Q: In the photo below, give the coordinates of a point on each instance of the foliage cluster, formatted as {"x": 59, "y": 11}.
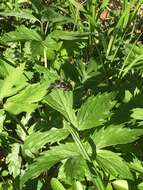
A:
{"x": 71, "y": 95}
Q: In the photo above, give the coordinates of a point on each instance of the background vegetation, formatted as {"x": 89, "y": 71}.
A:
{"x": 71, "y": 95}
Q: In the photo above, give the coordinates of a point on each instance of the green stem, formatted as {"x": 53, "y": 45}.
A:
{"x": 45, "y": 59}
{"x": 97, "y": 181}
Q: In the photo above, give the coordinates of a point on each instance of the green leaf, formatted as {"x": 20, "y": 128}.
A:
{"x": 48, "y": 159}
{"x": 137, "y": 113}
{"x": 69, "y": 35}
{"x": 109, "y": 187}
{"x": 95, "y": 111}
{"x": 31, "y": 145}
{"x": 73, "y": 169}
{"x": 87, "y": 71}
{"x": 133, "y": 58}
{"x": 4, "y": 68}
{"x": 62, "y": 101}
{"x": 36, "y": 48}
{"x": 120, "y": 185}
{"x": 50, "y": 43}
{"x": 56, "y": 185}
{"x": 113, "y": 164}
{"x": 49, "y": 75}
{"x": 53, "y": 16}
{"x": 12, "y": 83}
{"x": 22, "y": 14}
{"x": 114, "y": 135}
{"x": 136, "y": 165}
{"x": 140, "y": 186}
{"x": 77, "y": 186}
{"x": 21, "y": 34}
{"x": 128, "y": 96}
{"x": 27, "y": 100}
{"x": 14, "y": 160}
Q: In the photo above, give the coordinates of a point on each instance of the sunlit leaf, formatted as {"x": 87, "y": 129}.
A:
{"x": 31, "y": 145}
{"x": 113, "y": 164}
{"x": 22, "y": 33}
{"x": 114, "y": 135}
{"x": 73, "y": 169}
{"x": 48, "y": 159}
{"x": 68, "y": 35}
{"x": 137, "y": 113}
{"x": 95, "y": 111}
{"x": 22, "y": 14}
{"x": 11, "y": 84}
{"x": 14, "y": 160}
{"x": 27, "y": 100}
{"x": 62, "y": 101}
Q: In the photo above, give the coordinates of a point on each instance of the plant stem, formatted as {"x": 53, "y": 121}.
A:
{"x": 44, "y": 51}
{"x": 97, "y": 181}
{"x": 45, "y": 59}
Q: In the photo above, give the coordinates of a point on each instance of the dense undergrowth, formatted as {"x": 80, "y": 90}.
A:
{"x": 71, "y": 95}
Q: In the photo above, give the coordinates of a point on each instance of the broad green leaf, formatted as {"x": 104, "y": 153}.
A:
{"x": 120, "y": 185}
{"x": 27, "y": 100}
{"x": 48, "y": 159}
{"x": 113, "y": 164}
{"x": 109, "y": 187}
{"x": 22, "y": 14}
{"x": 128, "y": 96}
{"x": 95, "y": 111}
{"x": 61, "y": 19}
{"x": 53, "y": 16}
{"x": 21, "y": 34}
{"x": 31, "y": 145}
{"x": 77, "y": 186}
{"x": 137, "y": 113}
{"x": 4, "y": 68}
{"x": 52, "y": 44}
{"x": 136, "y": 165}
{"x": 73, "y": 169}
{"x": 62, "y": 101}
{"x": 114, "y": 135}
{"x": 14, "y": 160}
{"x": 49, "y": 75}
{"x": 56, "y": 185}
{"x": 9, "y": 85}
{"x": 89, "y": 70}
{"x": 69, "y": 35}
{"x": 36, "y": 48}
{"x": 140, "y": 186}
